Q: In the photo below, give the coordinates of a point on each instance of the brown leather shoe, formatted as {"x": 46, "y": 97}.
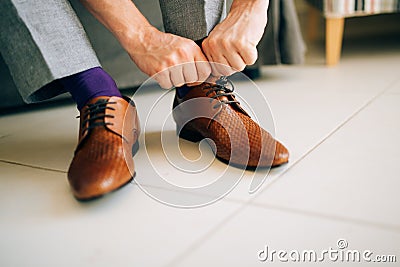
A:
{"x": 210, "y": 110}
{"x": 108, "y": 139}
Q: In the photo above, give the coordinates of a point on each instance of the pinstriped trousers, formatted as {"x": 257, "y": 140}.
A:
{"x": 42, "y": 41}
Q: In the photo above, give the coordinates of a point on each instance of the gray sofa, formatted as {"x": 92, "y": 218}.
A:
{"x": 282, "y": 43}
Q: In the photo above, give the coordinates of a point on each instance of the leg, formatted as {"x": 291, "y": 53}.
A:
{"x": 227, "y": 129}
{"x": 48, "y": 53}
{"x": 42, "y": 41}
{"x": 195, "y": 22}
{"x": 334, "y": 38}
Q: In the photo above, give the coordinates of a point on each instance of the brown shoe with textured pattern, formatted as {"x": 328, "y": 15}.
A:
{"x": 211, "y": 111}
{"x": 108, "y": 139}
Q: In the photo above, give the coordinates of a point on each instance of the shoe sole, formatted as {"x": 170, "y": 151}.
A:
{"x": 112, "y": 191}
{"x": 195, "y": 137}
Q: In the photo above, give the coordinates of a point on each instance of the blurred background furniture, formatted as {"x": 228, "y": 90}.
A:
{"x": 282, "y": 44}
{"x": 335, "y": 12}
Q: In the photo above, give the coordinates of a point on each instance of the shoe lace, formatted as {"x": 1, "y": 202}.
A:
{"x": 94, "y": 115}
{"x": 222, "y": 87}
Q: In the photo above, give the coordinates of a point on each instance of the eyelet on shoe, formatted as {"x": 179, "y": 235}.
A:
{"x": 94, "y": 112}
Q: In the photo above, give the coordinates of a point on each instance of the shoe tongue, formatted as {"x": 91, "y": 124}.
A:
{"x": 98, "y": 100}
{"x": 100, "y": 106}
{"x": 101, "y": 100}
{"x": 200, "y": 91}
{"x": 234, "y": 105}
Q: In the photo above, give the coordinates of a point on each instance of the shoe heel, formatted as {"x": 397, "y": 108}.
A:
{"x": 189, "y": 135}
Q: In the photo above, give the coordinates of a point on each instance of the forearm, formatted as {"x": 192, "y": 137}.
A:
{"x": 169, "y": 59}
{"x": 254, "y": 9}
{"x": 122, "y": 18}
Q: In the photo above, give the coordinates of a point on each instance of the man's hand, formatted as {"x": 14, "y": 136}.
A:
{"x": 234, "y": 41}
{"x": 174, "y": 59}
{"x": 171, "y": 59}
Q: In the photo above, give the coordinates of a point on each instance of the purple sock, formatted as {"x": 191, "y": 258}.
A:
{"x": 89, "y": 84}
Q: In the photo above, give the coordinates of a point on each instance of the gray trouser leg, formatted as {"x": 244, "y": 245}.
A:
{"x": 41, "y": 41}
{"x": 193, "y": 19}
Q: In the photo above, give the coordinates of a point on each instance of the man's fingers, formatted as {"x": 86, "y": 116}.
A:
{"x": 176, "y": 75}
{"x": 222, "y": 67}
{"x": 163, "y": 79}
{"x": 190, "y": 72}
{"x": 236, "y": 61}
{"x": 216, "y": 56}
{"x": 207, "y": 51}
{"x": 203, "y": 70}
{"x": 249, "y": 55}
{"x": 218, "y": 63}
{"x": 211, "y": 62}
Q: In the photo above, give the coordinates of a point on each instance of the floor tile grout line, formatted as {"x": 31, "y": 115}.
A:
{"x": 31, "y": 166}
{"x": 197, "y": 243}
{"x": 249, "y": 202}
{"x": 232, "y": 199}
{"x": 243, "y": 204}
{"x": 340, "y": 126}
{"x": 335, "y": 130}
{"x": 200, "y": 241}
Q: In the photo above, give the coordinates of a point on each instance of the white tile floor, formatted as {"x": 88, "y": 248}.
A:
{"x": 342, "y": 128}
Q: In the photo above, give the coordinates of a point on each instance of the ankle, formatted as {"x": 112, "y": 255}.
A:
{"x": 88, "y": 84}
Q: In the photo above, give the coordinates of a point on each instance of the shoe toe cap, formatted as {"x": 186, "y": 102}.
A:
{"x": 92, "y": 181}
{"x": 281, "y": 155}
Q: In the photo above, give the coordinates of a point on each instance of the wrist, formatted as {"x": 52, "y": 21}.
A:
{"x": 258, "y": 8}
{"x": 250, "y": 2}
{"x": 135, "y": 38}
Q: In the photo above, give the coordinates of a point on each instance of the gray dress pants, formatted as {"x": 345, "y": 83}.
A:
{"x": 42, "y": 41}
